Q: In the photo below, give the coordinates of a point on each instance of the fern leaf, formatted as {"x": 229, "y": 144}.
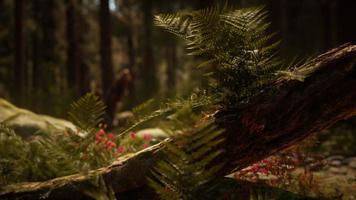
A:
{"x": 87, "y": 112}
{"x": 183, "y": 169}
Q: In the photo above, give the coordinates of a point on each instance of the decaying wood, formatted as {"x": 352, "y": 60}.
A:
{"x": 275, "y": 119}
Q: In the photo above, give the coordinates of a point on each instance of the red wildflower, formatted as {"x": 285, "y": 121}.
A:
{"x": 121, "y": 149}
{"x": 110, "y": 144}
{"x": 255, "y": 167}
{"x": 147, "y": 136}
{"x": 263, "y": 171}
{"x": 145, "y": 145}
{"x": 111, "y": 136}
{"x": 133, "y": 135}
{"x": 98, "y": 139}
{"x": 101, "y": 132}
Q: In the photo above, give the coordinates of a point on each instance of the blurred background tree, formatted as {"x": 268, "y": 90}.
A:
{"x": 52, "y": 52}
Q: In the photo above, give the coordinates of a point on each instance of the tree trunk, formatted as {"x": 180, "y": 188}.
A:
{"x": 147, "y": 68}
{"x": 19, "y": 72}
{"x": 107, "y": 71}
{"x": 171, "y": 57}
{"x": 73, "y": 62}
{"x": 278, "y": 117}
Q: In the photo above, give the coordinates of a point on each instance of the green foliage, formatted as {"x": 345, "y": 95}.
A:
{"x": 186, "y": 163}
{"x": 169, "y": 110}
{"x": 234, "y": 44}
{"x": 55, "y": 154}
{"x": 87, "y": 112}
{"x": 31, "y": 161}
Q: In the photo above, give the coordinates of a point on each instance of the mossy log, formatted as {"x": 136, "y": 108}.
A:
{"x": 276, "y": 118}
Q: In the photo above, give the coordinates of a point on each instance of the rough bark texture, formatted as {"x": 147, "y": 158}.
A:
{"x": 276, "y": 118}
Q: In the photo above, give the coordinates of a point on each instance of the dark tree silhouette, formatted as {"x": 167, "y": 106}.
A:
{"x": 106, "y": 62}
{"x": 19, "y": 65}
{"x": 73, "y": 54}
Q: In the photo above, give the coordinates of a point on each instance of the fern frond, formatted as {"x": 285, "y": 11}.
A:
{"x": 87, "y": 112}
{"x": 172, "y": 110}
{"x": 235, "y": 41}
{"x": 183, "y": 168}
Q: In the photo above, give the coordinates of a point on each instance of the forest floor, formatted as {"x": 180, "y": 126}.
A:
{"x": 337, "y": 179}
{"x": 340, "y": 180}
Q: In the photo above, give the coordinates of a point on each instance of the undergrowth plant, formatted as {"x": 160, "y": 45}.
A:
{"x": 55, "y": 153}
{"x": 241, "y": 59}
{"x": 234, "y": 44}
{"x": 186, "y": 164}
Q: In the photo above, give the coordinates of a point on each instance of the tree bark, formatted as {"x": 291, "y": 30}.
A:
{"x": 107, "y": 71}
{"x": 19, "y": 72}
{"x": 73, "y": 54}
{"x": 147, "y": 68}
{"x": 280, "y": 116}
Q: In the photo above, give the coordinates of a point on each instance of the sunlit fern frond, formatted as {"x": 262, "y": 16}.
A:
{"x": 171, "y": 110}
{"x": 87, "y": 112}
{"x": 176, "y": 24}
{"x": 186, "y": 164}
{"x": 234, "y": 41}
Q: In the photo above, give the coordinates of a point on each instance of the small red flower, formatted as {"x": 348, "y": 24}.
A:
{"x": 147, "y": 136}
{"x": 101, "y": 132}
{"x": 145, "y": 145}
{"x": 133, "y": 135}
{"x": 111, "y": 136}
{"x": 263, "y": 171}
{"x": 98, "y": 139}
{"x": 110, "y": 144}
{"x": 121, "y": 149}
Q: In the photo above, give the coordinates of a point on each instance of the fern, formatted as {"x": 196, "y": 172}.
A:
{"x": 87, "y": 112}
{"x": 54, "y": 154}
{"x": 186, "y": 163}
{"x": 31, "y": 161}
{"x": 164, "y": 115}
{"x": 234, "y": 43}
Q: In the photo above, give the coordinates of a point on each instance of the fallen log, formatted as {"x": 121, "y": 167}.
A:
{"x": 278, "y": 117}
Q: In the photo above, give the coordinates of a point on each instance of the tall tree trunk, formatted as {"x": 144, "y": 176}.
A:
{"x": 148, "y": 70}
{"x": 73, "y": 58}
{"x": 107, "y": 71}
{"x": 36, "y": 83}
{"x": 328, "y": 8}
{"x": 171, "y": 57}
{"x": 19, "y": 68}
{"x": 346, "y": 16}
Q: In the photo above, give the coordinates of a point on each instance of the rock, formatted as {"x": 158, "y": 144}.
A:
{"x": 335, "y": 163}
{"x": 352, "y": 164}
{"x": 309, "y": 160}
{"x": 336, "y": 157}
{"x": 346, "y": 161}
{"x": 27, "y": 123}
{"x": 338, "y": 170}
{"x": 156, "y": 134}
{"x": 123, "y": 118}
{"x": 317, "y": 166}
